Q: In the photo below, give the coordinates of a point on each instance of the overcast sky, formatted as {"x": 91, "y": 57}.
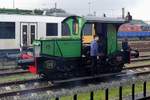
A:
{"x": 138, "y": 8}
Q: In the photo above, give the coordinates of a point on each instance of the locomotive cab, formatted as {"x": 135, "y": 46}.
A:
{"x": 106, "y": 29}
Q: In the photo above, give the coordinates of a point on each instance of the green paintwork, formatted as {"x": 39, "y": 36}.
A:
{"x": 71, "y": 46}
{"x": 119, "y": 46}
{"x": 61, "y": 48}
{"x": 80, "y": 21}
{"x": 64, "y": 47}
{"x": 36, "y": 43}
{"x": 111, "y": 39}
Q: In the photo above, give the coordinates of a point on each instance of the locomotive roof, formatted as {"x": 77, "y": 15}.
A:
{"x": 104, "y": 19}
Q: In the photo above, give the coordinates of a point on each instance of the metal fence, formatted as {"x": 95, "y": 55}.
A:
{"x": 106, "y": 87}
{"x": 145, "y": 97}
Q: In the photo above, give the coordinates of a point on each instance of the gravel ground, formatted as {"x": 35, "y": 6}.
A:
{"x": 23, "y": 86}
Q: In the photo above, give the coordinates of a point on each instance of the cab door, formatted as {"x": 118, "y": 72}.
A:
{"x": 28, "y": 34}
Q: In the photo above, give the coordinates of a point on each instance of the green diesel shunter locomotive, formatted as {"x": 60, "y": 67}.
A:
{"x": 69, "y": 56}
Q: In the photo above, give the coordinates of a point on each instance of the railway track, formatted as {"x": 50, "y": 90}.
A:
{"x": 22, "y": 87}
{"x": 13, "y": 68}
{"x": 140, "y": 45}
{"x": 48, "y": 86}
{"x": 138, "y": 70}
{"x": 30, "y": 86}
{"x": 14, "y": 75}
{"x": 20, "y": 82}
{"x": 143, "y": 58}
{"x": 12, "y": 72}
{"x": 136, "y": 67}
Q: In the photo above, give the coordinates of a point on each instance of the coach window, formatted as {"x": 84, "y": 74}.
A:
{"x": 7, "y": 30}
{"x": 65, "y": 30}
{"x": 51, "y": 29}
{"x": 87, "y": 30}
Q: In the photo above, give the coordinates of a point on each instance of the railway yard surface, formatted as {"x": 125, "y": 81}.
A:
{"x": 18, "y": 84}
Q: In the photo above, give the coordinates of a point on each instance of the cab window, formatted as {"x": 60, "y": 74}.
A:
{"x": 75, "y": 26}
{"x": 65, "y": 30}
{"x": 87, "y": 30}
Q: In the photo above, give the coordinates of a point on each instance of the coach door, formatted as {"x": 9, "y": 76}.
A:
{"x": 28, "y": 33}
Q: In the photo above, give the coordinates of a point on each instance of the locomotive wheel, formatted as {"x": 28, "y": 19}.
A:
{"x": 116, "y": 59}
{"x": 119, "y": 68}
{"x": 56, "y": 69}
{"x": 116, "y": 62}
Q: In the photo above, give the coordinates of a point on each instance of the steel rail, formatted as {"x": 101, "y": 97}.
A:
{"x": 141, "y": 59}
{"x": 8, "y": 73}
{"x": 21, "y": 82}
{"x": 136, "y": 67}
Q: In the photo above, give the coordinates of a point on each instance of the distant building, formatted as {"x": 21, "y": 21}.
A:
{"x": 21, "y": 11}
{"x": 49, "y": 12}
{"x": 56, "y": 12}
